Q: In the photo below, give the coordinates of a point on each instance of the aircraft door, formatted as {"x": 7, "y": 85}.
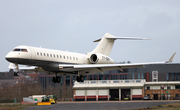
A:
{"x": 33, "y": 54}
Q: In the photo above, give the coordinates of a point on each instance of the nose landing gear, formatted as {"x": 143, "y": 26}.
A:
{"x": 16, "y": 73}
{"x": 16, "y": 69}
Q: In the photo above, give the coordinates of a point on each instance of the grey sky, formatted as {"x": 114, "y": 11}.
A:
{"x": 73, "y": 25}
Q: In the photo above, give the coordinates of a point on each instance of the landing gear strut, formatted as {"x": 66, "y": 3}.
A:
{"x": 56, "y": 79}
{"x": 16, "y": 69}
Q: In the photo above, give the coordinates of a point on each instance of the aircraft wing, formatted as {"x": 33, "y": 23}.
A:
{"x": 90, "y": 68}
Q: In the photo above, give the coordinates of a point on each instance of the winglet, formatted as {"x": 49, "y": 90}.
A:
{"x": 171, "y": 59}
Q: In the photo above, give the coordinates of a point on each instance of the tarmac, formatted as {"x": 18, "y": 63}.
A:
{"x": 101, "y": 105}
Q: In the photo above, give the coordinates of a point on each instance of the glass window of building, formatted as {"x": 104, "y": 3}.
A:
{"x": 172, "y": 76}
{"x": 85, "y": 77}
{"x": 177, "y": 95}
{"x": 177, "y": 86}
{"x": 95, "y": 77}
{"x": 168, "y": 87}
{"x": 89, "y": 77}
{"x": 148, "y": 88}
{"x": 74, "y": 77}
{"x": 142, "y": 75}
{"x": 122, "y": 76}
{"x": 133, "y": 76}
{"x": 167, "y": 77}
{"x": 106, "y": 77}
{"x": 125, "y": 76}
{"x": 67, "y": 80}
{"x": 176, "y": 76}
{"x": 100, "y": 77}
{"x": 138, "y": 75}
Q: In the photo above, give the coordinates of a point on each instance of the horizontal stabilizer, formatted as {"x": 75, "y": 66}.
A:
{"x": 97, "y": 40}
{"x": 123, "y": 38}
{"x": 127, "y": 38}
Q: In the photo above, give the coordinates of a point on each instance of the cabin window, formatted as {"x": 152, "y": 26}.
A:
{"x": 37, "y": 53}
{"x": 73, "y": 58}
{"x": 70, "y": 58}
{"x": 64, "y": 57}
{"x": 51, "y": 55}
{"x": 60, "y": 56}
{"x": 44, "y": 54}
{"x": 41, "y": 54}
{"x": 47, "y": 54}
{"x": 76, "y": 58}
{"x": 54, "y": 56}
{"x": 57, "y": 56}
{"x": 67, "y": 57}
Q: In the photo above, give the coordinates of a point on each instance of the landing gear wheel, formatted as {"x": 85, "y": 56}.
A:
{"x": 54, "y": 79}
{"x": 16, "y": 73}
{"x": 81, "y": 78}
{"x": 78, "y": 79}
{"x": 58, "y": 79}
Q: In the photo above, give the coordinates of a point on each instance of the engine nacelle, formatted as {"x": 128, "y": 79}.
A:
{"x": 100, "y": 59}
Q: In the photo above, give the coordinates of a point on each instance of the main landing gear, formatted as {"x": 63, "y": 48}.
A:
{"x": 56, "y": 79}
{"x": 80, "y": 78}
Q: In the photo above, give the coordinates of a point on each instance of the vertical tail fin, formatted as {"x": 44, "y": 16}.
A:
{"x": 106, "y": 43}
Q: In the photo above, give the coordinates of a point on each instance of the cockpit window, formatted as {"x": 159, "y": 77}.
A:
{"x": 23, "y": 50}
{"x": 20, "y": 50}
{"x": 17, "y": 50}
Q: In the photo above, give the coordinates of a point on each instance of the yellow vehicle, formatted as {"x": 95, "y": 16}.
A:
{"x": 50, "y": 98}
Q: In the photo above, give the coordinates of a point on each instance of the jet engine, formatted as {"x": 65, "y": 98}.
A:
{"x": 100, "y": 59}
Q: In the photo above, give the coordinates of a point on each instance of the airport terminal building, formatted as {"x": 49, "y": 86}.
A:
{"x": 158, "y": 82}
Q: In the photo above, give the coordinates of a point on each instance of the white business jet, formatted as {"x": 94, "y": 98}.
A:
{"x": 63, "y": 62}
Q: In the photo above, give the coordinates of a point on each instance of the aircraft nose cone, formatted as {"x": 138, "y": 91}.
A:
{"x": 9, "y": 57}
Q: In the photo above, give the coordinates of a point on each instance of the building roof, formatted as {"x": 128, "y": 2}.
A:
{"x": 110, "y": 84}
{"x": 119, "y": 83}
